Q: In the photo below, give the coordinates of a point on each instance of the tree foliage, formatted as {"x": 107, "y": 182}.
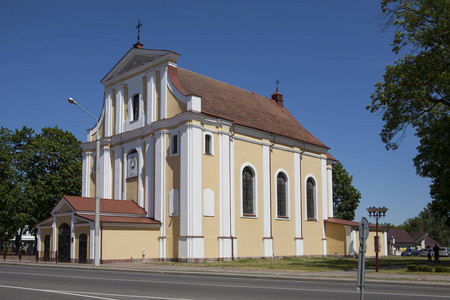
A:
{"x": 431, "y": 221}
{"x": 345, "y": 196}
{"x": 36, "y": 171}
{"x": 415, "y": 89}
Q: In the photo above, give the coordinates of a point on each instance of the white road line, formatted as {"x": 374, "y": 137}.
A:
{"x": 233, "y": 286}
{"x": 87, "y": 294}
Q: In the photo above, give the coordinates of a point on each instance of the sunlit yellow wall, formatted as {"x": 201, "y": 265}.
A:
{"x": 132, "y": 189}
{"x": 312, "y": 230}
{"x": 370, "y": 243}
{"x": 126, "y": 242}
{"x": 249, "y": 231}
{"x": 44, "y": 232}
{"x": 80, "y": 230}
{"x": 336, "y": 239}
{"x": 172, "y": 182}
{"x": 174, "y": 106}
{"x": 283, "y": 230}
{"x": 210, "y": 178}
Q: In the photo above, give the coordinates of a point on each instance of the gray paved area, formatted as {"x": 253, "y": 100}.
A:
{"x": 371, "y": 275}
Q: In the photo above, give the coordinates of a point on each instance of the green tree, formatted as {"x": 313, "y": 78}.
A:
{"x": 43, "y": 167}
{"x": 415, "y": 89}
{"x": 345, "y": 196}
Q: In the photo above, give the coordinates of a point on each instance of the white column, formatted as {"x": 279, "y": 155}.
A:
{"x": 119, "y": 109}
{"x": 54, "y": 234}
{"x": 105, "y": 174}
{"x": 85, "y": 172}
{"x": 149, "y": 176}
{"x": 330, "y": 191}
{"x": 385, "y": 243}
{"x": 91, "y": 241}
{"x": 163, "y": 94}
{"x": 140, "y": 150}
{"x": 324, "y": 199}
{"x": 299, "y": 250}
{"x": 191, "y": 241}
{"x": 160, "y": 175}
{"x": 108, "y": 112}
{"x": 124, "y": 175}
{"x": 72, "y": 238}
{"x": 268, "y": 239}
{"x": 225, "y": 212}
{"x": 118, "y": 153}
{"x": 38, "y": 246}
{"x": 151, "y": 97}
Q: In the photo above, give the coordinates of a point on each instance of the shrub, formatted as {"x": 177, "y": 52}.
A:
{"x": 411, "y": 268}
{"x": 441, "y": 269}
{"x": 420, "y": 268}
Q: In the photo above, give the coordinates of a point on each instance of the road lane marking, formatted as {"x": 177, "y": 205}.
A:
{"x": 87, "y": 294}
{"x": 232, "y": 286}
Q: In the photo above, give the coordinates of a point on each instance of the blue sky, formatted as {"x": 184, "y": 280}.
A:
{"x": 326, "y": 54}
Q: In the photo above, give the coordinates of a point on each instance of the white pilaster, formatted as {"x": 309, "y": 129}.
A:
{"x": 151, "y": 97}
{"x": 119, "y": 108}
{"x": 85, "y": 176}
{"x": 160, "y": 175}
{"x": 140, "y": 151}
{"x": 324, "y": 188}
{"x": 105, "y": 174}
{"x": 38, "y": 246}
{"x": 54, "y": 235}
{"x": 330, "y": 191}
{"x": 385, "y": 243}
{"x": 191, "y": 241}
{"x": 267, "y": 240}
{"x": 299, "y": 251}
{"x": 163, "y": 94}
{"x": 72, "y": 238}
{"x": 91, "y": 241}
{"x": 225, "y": 235}
{"x": 108, "y": 112}
{"x": 118, "y": 165}
{"x": 149, "y": 177}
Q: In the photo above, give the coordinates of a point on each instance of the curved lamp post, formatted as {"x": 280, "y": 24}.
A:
{"x": 377, "y": 212}
{"x": 97, "y": 192}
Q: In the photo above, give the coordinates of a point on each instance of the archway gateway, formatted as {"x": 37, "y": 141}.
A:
{"x": 64, "y": 243}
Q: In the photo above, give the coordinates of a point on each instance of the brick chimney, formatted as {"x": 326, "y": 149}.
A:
{"x": 278, "y": 97}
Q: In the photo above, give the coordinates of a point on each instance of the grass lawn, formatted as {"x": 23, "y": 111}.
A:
{"x": 395, "y": 264}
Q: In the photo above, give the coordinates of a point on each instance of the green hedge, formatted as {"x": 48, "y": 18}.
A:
{"x": 423, "y": 268}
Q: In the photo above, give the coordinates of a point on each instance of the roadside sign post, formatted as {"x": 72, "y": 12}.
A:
{"x": 363, "y": 235}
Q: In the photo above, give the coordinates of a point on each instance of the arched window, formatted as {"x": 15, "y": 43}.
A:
{"x": 310, "y": 199}
{"x": 208, "y": 144}
{"x": 248, "y": 185}
{"x": 136, "y": 107}
{"x": 281, "y": 195}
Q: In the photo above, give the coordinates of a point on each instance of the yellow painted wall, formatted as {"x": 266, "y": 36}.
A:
{"x": 312, "y": 230}
{"x": 44, "y": 232}
{"x": 172, "y": 182}
{"x": 80, "y": 230}
{"x": 127, "y": 242}
{"x": 336, "y": 239}
{"x": 283, "y": 230}
{"x": 370, "y": 243}
{"x": 132, "y": 189}
{"x": 249, "y": 231}
{"x": 210, "y": 177}
{"x": 174, "y": 106}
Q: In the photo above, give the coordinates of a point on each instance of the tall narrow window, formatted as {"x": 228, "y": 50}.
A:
{"x": 174, "y": 144}
{"x": 281, "y": 195}
{"x": 208, "y": 144}
{"x": 310, "y": 199}
{"x": 136, "y": 107}
{"x": 248, "y": 191}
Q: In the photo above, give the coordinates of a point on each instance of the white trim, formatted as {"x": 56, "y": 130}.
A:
{"x": 163, "y": 92}
{"x": 297, "y": 197}
{"x": 324, "y": 187}
{"x": 288, "y": 195}
{"x": 108, "y": 109}
{"x": 149, "y": 177}
{"x": 266, "y": 194}
{"x": 208, "y": 203}
{"x": 85, "y": 176}
{"x": 255, "y": 191}
{"x": 118, "y": 154}
{"x": 151, "y": 97}
{"x": 119, "y": 108}
{"x": 316, "y": 193}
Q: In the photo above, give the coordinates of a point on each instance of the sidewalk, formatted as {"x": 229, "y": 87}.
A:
{"x": 371, "y": 276}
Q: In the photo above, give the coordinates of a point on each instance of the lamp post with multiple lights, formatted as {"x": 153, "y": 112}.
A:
{"x": 377, "y": 212}
{"x": 97, "y": 192}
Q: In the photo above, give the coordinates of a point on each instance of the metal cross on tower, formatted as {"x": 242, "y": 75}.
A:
{"x": 277, "y": 83}
{"x": 138, "y": 27}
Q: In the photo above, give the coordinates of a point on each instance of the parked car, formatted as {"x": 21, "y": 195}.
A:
{"x": 411, "y": 252}
{"x": 423, "y": 252}
{"x": 443, "y": 252}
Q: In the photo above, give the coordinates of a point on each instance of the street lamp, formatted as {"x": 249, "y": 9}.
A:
{"x": 97, "y": 192}
{"x": 377, "y": 212}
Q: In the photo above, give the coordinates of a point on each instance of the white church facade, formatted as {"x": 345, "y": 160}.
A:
{"x": 194, "y": 169}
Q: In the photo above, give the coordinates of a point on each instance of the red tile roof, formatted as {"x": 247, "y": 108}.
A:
{"x": 401, "y": 236}
{"x": 243, "y": 107}
{"x": 106, "y": 205}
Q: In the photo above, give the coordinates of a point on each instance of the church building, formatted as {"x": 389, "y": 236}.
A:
{"x": 194, "y": 169}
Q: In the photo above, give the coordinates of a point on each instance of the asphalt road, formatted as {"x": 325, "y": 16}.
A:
{"x": 43, "y": 282}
